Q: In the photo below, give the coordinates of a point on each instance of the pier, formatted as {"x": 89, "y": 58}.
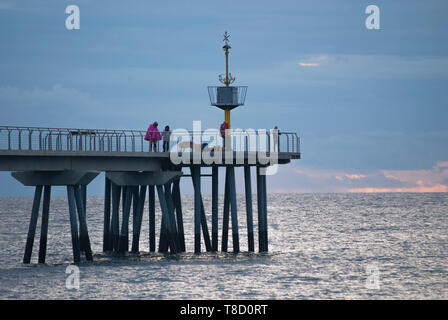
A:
{"x": 48, "y": 157}
{"x": 138, "y": 179}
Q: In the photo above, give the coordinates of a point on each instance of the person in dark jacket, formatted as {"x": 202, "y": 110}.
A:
{"x": 166, "y": 138}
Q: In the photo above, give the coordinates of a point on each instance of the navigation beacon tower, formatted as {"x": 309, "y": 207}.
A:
{"x": 227, "y": 97}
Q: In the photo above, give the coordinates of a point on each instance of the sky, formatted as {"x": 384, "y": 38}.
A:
{"x": 370, "y": 106}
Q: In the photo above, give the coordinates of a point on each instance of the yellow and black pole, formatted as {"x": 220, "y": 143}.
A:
{"x": 228, "y": 80}
{"x": 227, "y": 83}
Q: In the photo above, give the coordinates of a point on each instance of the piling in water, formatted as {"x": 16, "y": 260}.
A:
{"x": 44, "y": 227}
{"x": 196, "y": 175}
{"x": 233, "y": 206}
{"x": 73, "y": 224}
{"x": 107, "y": 244}
{"x": 152, "y": 219}
{"x": 249, "y": 214}
{"x": 225, "y": 215}
{"x": 32, "y": 226}
{"x": 84, "y": 240}
{"x": 214, "y": 208}
{"x": 137, "y": 226}
{"x": 179, "y": 218}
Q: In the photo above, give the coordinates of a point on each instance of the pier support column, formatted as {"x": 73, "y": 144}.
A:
{"x": 262, "y": 214}
{"x": 135, "y": 200}
{"x": 138, "y": 219}
{"x": 265, "y": 212}
{"x": 167, "y": 225}
{"x": 215, "y": 208}
{"x": 84, "y": 240}
{"x": 152, "y": 219}
{"x": 124, "y": 191}
{"x": 84, "y": 197}
{"x": 205, "y": 233}
{"x": 115, "y": 227}
{"x": 123, "y": 242}
{"x": 170, "y": 204}
{"x": 179, "y": 218}
{"x": 163, "y": 237}
{"x": 249, "y": 214}
{"x": 204, "y": 226}
{"x": 107, "y": 244}
{"x": 196, "y": 175}
{"x": 130, "y": 181}
{"x": 44, "y": 227}
{"x": 32, "y": 226}
{"x": 76, "y": 183}
{"x": 233, "y": 206}
{"x": 225, "y": 215}
{"x": 73, "y": 224}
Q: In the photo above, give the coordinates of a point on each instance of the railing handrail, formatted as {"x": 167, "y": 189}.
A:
{"x": 123, "y": 140}
{"x": 104, "y": 130}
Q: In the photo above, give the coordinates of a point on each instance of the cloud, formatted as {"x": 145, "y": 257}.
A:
{"x": 308, "y": 64}
{"x": 309, "y": 179}
{"x": 384, "y": 66}
{"x": 333, "y": 68}
{"x": 436, "y": 188}
{"x": 312, "y": 61}
{"x": 355, "y": 176}
{"x": 441, "y": 165}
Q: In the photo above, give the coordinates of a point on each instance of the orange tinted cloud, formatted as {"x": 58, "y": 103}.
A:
{"x": 355, "y": 176}
{"x": 339, "y": 180}
{"x": 436, "y": 188}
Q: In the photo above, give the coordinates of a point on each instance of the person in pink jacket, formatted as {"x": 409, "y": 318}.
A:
{"x": 153, "y": 136}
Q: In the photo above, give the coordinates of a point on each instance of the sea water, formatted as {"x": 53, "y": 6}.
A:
{"x": 321, "y": 246}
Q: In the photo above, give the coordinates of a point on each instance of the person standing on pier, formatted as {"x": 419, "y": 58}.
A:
{"x": 275, "y": 135}
{"x": 224, "y": 130}
{"x": 166, "y": 138}
{"x": 153, "y": 136}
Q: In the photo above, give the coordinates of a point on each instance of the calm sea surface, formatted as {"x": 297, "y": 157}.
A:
{"x": 321, "y": 246}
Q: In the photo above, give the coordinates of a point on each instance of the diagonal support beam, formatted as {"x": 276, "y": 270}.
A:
{"x": 73, "y": 224}
{"x": 179, "y": 217}
{"x": 84, "y": 240}
{"x": 167, "y": 222}
{"x": 123, "y": 242}
{"x": 205, "y": 233}
{"x": 32, "y": 226}
{"x": 44, "y": 228}
{"x": 225, "y": 216}
{"x": 138, "y": 219}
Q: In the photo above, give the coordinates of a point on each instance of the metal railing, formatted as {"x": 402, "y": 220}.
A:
{"x": 14, "y": 138}
{"x": 236, "y": 96}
